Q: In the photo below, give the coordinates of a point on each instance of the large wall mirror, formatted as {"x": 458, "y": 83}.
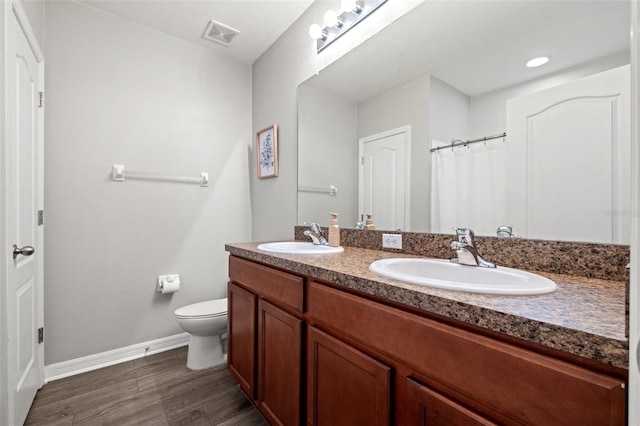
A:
{"x": 376, "y": 127}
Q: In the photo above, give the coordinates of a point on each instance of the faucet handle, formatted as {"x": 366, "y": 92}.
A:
{"x": 315, "y": 227}
{"x": 505, "y": 231}
{"x": 465, "y": 235}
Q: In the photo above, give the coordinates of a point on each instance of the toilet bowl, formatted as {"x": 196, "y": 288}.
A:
{"x": 205, "y": 322}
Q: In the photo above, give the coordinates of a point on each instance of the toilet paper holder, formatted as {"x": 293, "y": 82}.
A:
{"x": 168, "y": 283}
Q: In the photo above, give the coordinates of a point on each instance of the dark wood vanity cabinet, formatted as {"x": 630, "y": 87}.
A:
{"x": 325, "y": 356}
{"x": 344, "y": 385}
{"x": 475, "y": 376}
{"x": 241, "y": 347}
{"x": 266, "y": 337}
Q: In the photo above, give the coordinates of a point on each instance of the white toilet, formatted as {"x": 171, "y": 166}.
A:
{"x": 206, "y": 322}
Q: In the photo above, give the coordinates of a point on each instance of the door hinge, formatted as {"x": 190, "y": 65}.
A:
{"x": 40, "y": 217}
{"x": 41, "y": 335}
{"x": 41, "y": 105}
{"x": 362, "y": 161}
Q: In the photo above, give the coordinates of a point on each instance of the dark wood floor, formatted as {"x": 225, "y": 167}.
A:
{"x": 155, "y": 390}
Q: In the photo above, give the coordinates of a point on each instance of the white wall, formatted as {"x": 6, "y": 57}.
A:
{"x": 276, "y": 74}
{"x": 407, "y": 104}
{"x": 35, "y": 12}
{"x": 448, "y": 112}
{"x": 327, "y": 156}
{"x": 118, "y": 92}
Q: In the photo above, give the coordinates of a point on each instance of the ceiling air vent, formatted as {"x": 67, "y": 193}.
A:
{"x": 219, "y": 33}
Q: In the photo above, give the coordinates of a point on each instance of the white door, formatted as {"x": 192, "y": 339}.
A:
{"x": 633, "y": 417}
{"x": 384, "y": 179}
{"x": 568, "y": 160}
{"x": 23, "y": 180}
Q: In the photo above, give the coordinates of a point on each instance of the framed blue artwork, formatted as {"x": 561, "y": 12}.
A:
{"x": 267, "y": 152}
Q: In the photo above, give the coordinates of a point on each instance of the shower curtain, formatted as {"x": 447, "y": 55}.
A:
{"x": 468, "y": 187}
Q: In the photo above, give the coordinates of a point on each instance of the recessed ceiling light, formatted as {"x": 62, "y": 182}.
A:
{"x": 536, "y": 62}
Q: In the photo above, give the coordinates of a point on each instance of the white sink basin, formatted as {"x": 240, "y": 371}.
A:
{"x": 474, "y": 279}
{"x": 298, "y": 247}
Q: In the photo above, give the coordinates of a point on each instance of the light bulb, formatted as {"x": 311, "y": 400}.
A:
{"x": 351, "y": 6}
{"x": 315, "y": 31}
{"x": 331, "y": 19}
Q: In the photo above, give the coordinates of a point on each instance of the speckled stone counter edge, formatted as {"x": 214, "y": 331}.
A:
{"x": 591, "y": 260}
{"x": 606, "y": 350}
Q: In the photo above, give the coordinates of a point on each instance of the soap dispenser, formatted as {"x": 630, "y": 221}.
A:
{"x": 334, "y": 231}
{"x": 369, "y": 226}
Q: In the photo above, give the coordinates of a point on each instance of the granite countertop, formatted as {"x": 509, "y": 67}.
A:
{"x": 584, "y": 317}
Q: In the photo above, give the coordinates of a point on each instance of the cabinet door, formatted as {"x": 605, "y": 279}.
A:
{"x": 279, "y": 365}
{"x": 345, "y": 386}
{"x": 430, "y": 408}
{"x": 241, "y": 352}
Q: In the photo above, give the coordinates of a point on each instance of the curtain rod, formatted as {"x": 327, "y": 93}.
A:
{"x": 457, "y": 142}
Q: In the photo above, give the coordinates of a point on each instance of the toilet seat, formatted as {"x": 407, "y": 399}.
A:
{"x": 207, "y": 309}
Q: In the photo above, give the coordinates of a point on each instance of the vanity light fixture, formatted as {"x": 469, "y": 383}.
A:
{"x": 338, "y": 23}
{"x": 536, "y": 62}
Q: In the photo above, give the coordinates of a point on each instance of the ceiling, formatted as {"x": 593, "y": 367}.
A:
{"x": 259, "y": 22}
{"x": 476, "y": 46}
{"x": 480, "y": 46}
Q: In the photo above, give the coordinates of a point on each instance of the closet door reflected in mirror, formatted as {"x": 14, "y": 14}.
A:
{"x": 384, "y": 179}
{"x": 569, "y": 160}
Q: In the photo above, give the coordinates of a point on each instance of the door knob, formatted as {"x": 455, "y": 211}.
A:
{"x": 25, "y": 251}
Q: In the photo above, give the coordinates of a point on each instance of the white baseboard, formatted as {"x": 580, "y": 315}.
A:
{"x": 104, "y": 359}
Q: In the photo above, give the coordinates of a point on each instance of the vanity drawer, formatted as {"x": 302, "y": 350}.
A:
{"x": 516, "y": 385}
{"x": 273, "y": 285}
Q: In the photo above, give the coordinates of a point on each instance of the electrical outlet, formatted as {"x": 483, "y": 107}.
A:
{"x": 393, "y": 241}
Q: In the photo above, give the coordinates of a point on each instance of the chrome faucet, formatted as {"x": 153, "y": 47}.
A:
{"x": 316, "y": 234}
{"x": 466, "y": 250}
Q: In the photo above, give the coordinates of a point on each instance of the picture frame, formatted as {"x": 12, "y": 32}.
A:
{"x": 267, "y": 152}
